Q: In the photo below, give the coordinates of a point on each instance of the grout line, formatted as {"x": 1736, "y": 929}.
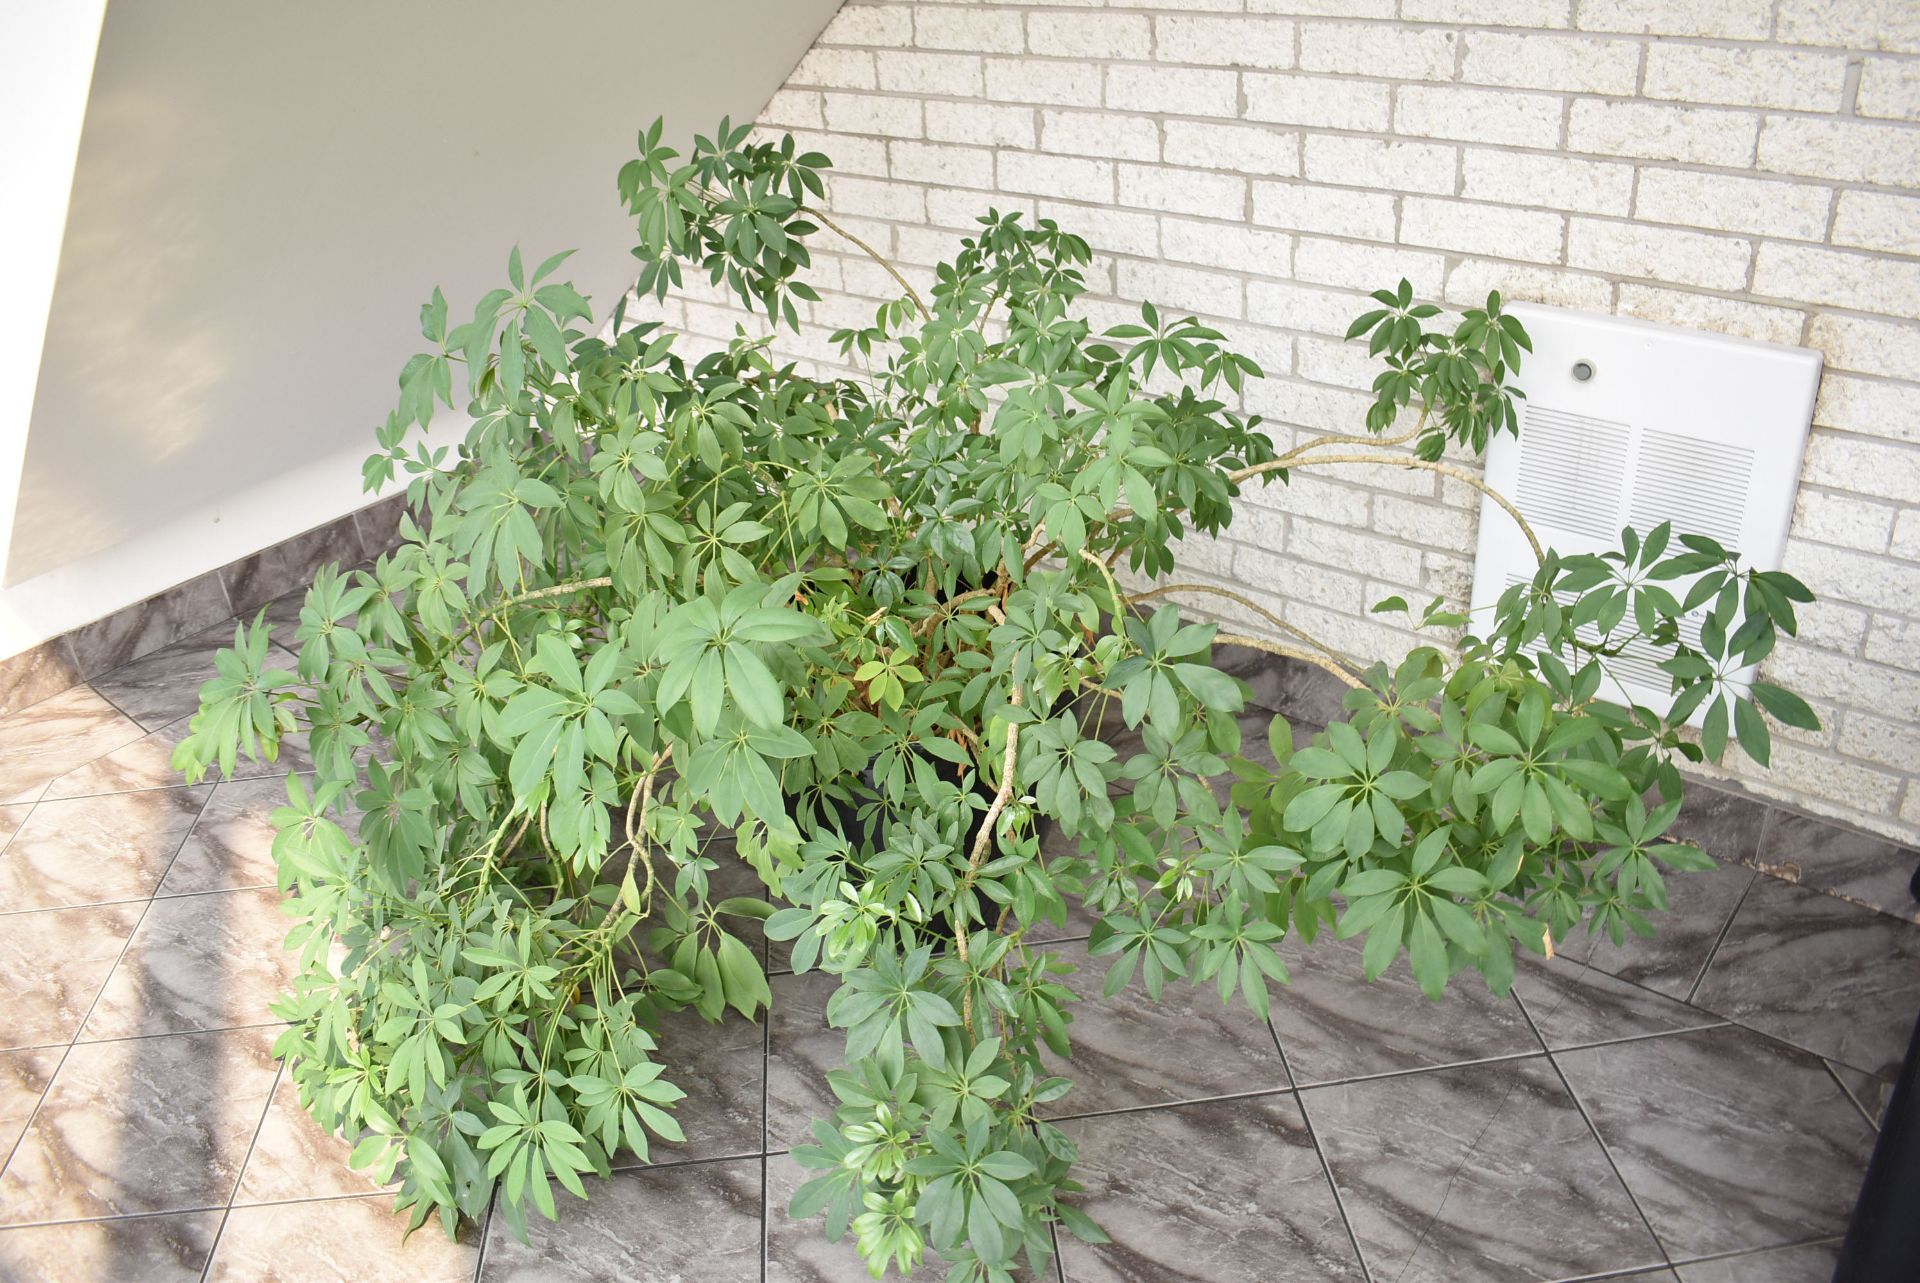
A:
{"x": 1326, "y": 1168}
{"x": 1720, "y": 939}
{"x": 1848, "y": 1093}
{"x": 279, "y": 1074}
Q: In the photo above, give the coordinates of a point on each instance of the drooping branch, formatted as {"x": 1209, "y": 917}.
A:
{"x": 875, "y": 255}
{"x": 1290, "y": 652}
{"x": 1394, "y": 461}
{"x": 1163, "y": 589}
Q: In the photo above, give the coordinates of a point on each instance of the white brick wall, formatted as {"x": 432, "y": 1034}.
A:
{"x": 1745, "y": 166}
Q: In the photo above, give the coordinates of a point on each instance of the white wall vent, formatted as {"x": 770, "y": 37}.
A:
{"x": 1630, "y": 423}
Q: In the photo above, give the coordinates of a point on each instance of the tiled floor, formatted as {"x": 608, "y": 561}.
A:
{"x": 1699, "y": 1107}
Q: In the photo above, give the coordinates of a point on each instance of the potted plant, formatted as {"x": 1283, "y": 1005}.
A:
{"x": 655, "y": 617}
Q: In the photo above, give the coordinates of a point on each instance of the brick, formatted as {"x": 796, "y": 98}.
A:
{"x": 1890, "y": 348}
{"x": 1879, "y": 221}
{"x": 1333, "y": 360}
{"x": 876, "y": 199}
{"x": 1563, "y": 64}
{"x": 881, "y": 114}
{"x": 1070, "y": 177}
{"x": 1870, "y": 407}
{"x": 1556, "y": 182}
{"x": 1727, "y": 203}
{"x": 1478, "y": 115}
{"x": 1890, "y": 89}
{"x": 941, "y": 163}
{"x": 1889, "y": 25}
{"x": 1372, "y": 162}
{"x": 793, "y": 109}
{"x": 1722, "y": 19}
{"x": 1855, "y": 577}
{"x": 1106, "y": 229}
{"x": 1906, "y": 534}
{"x": 1794, "y": 78}
{"x": 851, "y": 155}
{"x": 1184, "y": 91}
{"x": 1100, "y": 133}
{"x": 955, "y": 75}
{"x": 1357, "y": 551}
{"x": 1880, "y": 469}
{"x": 1090, "y": 35}
{"x": 1225, "y": 42}
{"x": 1323, "y": 8}
{"x": 1183, "y": 191}
{"x": 1382, "y": 50}
{"x": 1366, "y": 267}
{"x": 1317, "y": 497}
{"x": 1841, "y": 149}
{"x": 1334, "y": 211}
{"x": 1318, "y": 101}
{"x": 1247, "y": 149}
{"x": 1894, "y": 641}
{"x": 1295, "y": 581}
{"x": 969, "y": 29}
{"x": 1813, "y": 274}
{"x": 1843, "y": 788}
{"x": 1659, "y": 254}
{"x": 1508, "y": 13}
{"x": 1842, "y": 520}
{"x": 962, "y": 208}
{"x": 1711, "y": 312}
{"x": 1481, "y": 229}
{"x": 980, "y": 122}
{"x": 1035, "y": 80}
{"x": 834, "y": 69}
{"x": 1241, "y": 249}
{"x": 1472, "y": 279}
{"x": 1877, "y": 740}
{"x": 1303, "y": 307}
{"x": 1182, "y": 289}
{"x": 1655, "y": 131}
{"x": 888, "y": 26}
{"x": 925, "y": 246}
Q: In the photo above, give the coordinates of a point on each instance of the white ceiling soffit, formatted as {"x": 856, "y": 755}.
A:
{"x": 1628, "y": 423}
{"x": 266, "y": 194}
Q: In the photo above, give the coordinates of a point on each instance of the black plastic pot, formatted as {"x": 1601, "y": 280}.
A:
{"x": 1883, "y": 1239}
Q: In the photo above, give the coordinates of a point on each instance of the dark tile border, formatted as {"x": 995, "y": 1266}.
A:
{"x": 239, "y": 587}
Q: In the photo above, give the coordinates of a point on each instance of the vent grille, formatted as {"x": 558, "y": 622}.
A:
{"x": 1573, "y": 471}
{"x": 1700, "y": 486}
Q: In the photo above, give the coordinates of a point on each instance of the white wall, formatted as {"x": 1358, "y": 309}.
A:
{"x": 1745, "y": 166}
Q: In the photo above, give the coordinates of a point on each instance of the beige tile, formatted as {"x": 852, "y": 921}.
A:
{"x": 198, "y": 962}
{"x": 24, "y": 1076}
{"x": 151, "y": 1249}
{"x": 42, "y": 743}
{"x": 345, "y": 1240}
{"x": 293, "y": 1158}
{"x": 141, "y": 1125}
{"x": 52, "y": 965}
{"x": 147, "y": 763}
{"x": 11, "y": 818}
{"x": 95, "y": 850}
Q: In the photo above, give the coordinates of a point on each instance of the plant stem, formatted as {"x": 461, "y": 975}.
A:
{"x": 875, "y": 255}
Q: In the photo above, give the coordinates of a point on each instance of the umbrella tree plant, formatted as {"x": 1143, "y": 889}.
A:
{"x": 659, "y": 620}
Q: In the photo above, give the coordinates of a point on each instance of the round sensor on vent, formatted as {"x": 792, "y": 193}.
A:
{"x": 1582, "y": 371}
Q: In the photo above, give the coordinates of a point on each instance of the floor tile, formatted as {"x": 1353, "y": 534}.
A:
{"x": 1699, "y": 905}
{"x": 1573, "y": 1004}
{"x": 146, "y": 626}
{"x": 254, "y": 581}
{"x": 24, "y": 1076}
{"x": 198, "y": 962}
{"x": 44, "y": 742}
{"x": 720, "y": 1066}
{"x": 232, "y": 845}
{"x": 695, "y": 1223}
{"x": 1431, "y": 1167}
{"x": 1226, "y": 1191}
{"x": 147, "y": 763}
{"x": 1835, "y": 978}
{"x": 53, "y": 964}
{"x": 342, "y": 1240}
{"x": 164, "y": 686}
{"x": 11, "y": 818}
{"x": 1813, "y": 1263}
{"x": 1333, "y": 1024}
{"x": 36, "y": 674}
{"x": 1846, "y": 862}
{"x": 96, "y": 850}
{"x": 1729, "y": 1140}
{"x": 292, "y": 1158}
{"x": 801, "y": 1049}
{"x": 142, "y": 1125}
{"x": 1121, "y": 1045}
{"x": 1726, "y": 823}
{"x": 1869, "y": 1091}
{"x": 151, "y": 1249}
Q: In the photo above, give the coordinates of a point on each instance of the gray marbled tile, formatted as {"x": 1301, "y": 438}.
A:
{"x": 1129, "y": 1050}
{"x": 693, "y": 1223}
{"x": 164, "y": 686}
{"x": 24, "y": 1076}
{"x": 801, "y": 1049}
{"x": 152, "y": 1249}
{"x": 141, "y": 1125}
{"x": 1333, "y": 1024}
{"x": 339, "y": 1240}
{"x": 232, "y": 845}
{"x": 198, "y": 962}
{"x": 254, "y": 581}
{"x": 1572, "y": 1005}
{"x": 94, "y": 850}
{"x": 1869, "y": 1091}
{"x": 1836, "y": 978}
{"x": 1808, "y": 1263}
{"x": 293, "y": 1158}
{"x": 56, "y": 735}
{"x": 1842, "y": 861}
{"x": 1432, "y": 1166}
{"x": 36, "y": 674}
{"x": 1726, "y": 823}
{"x": 721, "y": 1066}
{"x": 146, "y": 626}
{"x": 52, "y": 966}
{"x": 1227, "y": 1191}
{"x": 378, "y": 524}
{"x": 1699, "y": 905}
{"x": 1728, "y": 1139}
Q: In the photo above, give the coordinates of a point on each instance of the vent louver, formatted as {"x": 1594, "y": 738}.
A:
{"x": 1669, "y": 424}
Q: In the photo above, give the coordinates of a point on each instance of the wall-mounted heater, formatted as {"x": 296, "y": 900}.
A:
{"x": 1631, "y": 423}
